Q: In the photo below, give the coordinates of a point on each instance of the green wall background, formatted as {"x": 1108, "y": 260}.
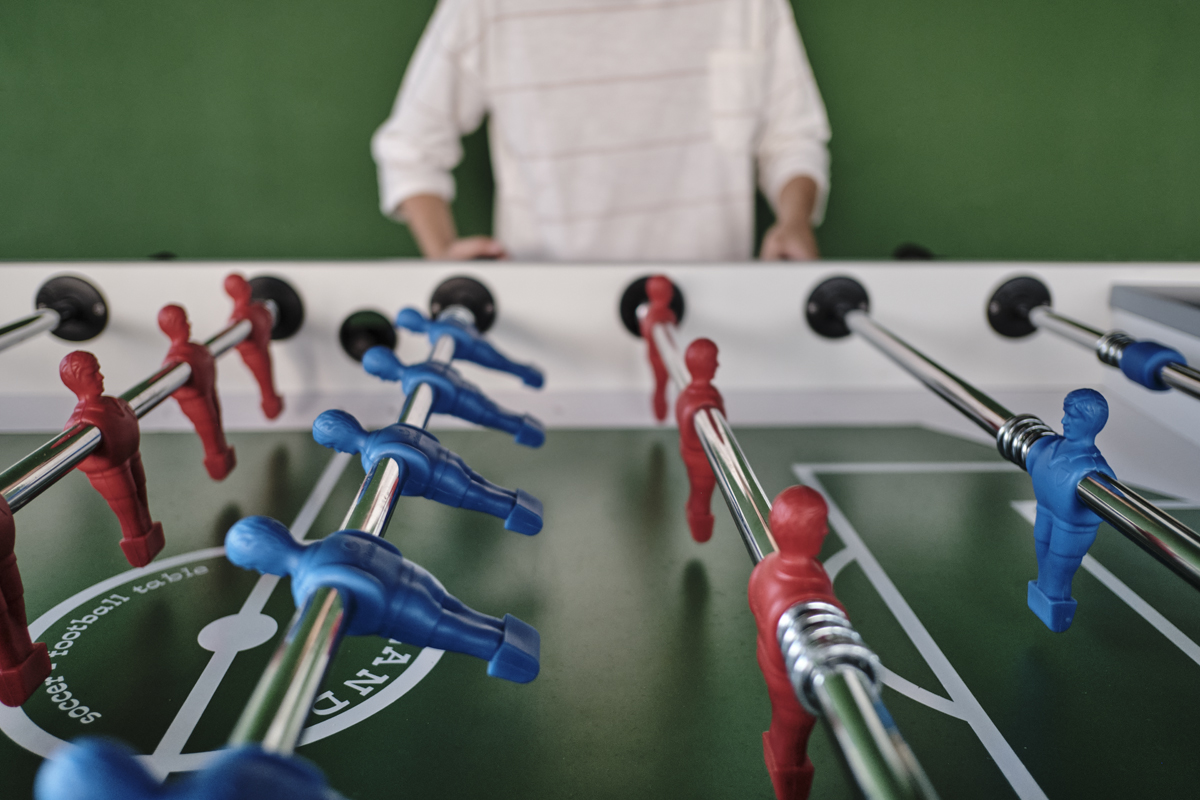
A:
{"x": 1031, "y": 129}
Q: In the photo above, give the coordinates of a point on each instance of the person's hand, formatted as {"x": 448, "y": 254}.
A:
{"x": 792, "y": 241}
{"x": 473, "y": 248}
{"x": 428, "y": 217}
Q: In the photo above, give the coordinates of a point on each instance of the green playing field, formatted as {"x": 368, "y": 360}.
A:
{"x": 649, "y": 686}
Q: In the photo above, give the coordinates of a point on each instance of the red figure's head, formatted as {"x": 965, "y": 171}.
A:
{"x": 238, "y": 288}
{"x": 173, "y": 321}
{"x": 660, "y": 291}
{"x": 701, "y": 358}
{"x": 80, "y": 372}
{"x": 798, "y": 522}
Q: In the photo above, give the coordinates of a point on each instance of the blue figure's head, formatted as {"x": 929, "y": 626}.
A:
{"x": 339, "y": 430}
{"x": 262, "y": 544}
{"x": 1085, "y": 412}
{"x": 381, "y": 362}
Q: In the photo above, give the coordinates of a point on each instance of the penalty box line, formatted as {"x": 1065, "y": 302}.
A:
{"x": 834, "y": 565}
{"x": 170, "y": 747}
{"x": 971, "y": 711}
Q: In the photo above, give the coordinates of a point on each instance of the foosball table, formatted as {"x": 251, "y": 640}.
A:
{"x": 606, "y": 597}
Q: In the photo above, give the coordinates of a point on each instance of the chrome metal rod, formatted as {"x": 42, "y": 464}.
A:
{"x": 1109, "y": 346}
{"x": 836, "y": 677}
{"x": 234, "y": 335}
{"x": 1143, "y": 523}
{"x": 744, "y": 495}
{"x": 1045, "y": 318}
{"x": 1182, "y": 377}
{"x": 974, "y": 404}
{"x": 671, "y": 354}
{"x": 1148, "y": 526}
{"x": 39, "y": 470}
{"x": 748, "y": 503}
{"x": 376, "y": 500}
{"x": 281, "y": 702}
{"x": 303, "y": 657}
{"x": 871, "y": 745}
{"x": 44, "y": 319}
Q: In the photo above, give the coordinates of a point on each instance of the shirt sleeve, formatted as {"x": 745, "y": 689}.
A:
{"x": 441, "y": 98}
{"x": 795, "y": 133}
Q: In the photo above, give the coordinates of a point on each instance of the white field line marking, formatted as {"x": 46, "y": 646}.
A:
{"x": 182, "y": 726}
{"x": 834, "y": 565}
{"x": 320, "y": 493}
{"x": 923, "y": 696}
{"x": 837, "y": 562}
{"x": 989, "y": 735}
{"x": 1028, "y": 510}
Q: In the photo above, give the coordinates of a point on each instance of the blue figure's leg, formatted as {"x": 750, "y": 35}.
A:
{"x": 1055, "y": 579}
{"x": 479, "y": 409}
{"x": 474, "y": 476}
{"x": 511, "y": 647}
{"x": 488, "y": 498}
{"x": 1042, "y": 527}
{"x": 1067, "y": 550}
{"x": 487, "y": 356}
{"x": 1049, "y": 597}
{"x": 454, "y": 484}
{"x": 473, "y": 634}
{"x": 522, "y": 512}
{"x": 460, "y": 609}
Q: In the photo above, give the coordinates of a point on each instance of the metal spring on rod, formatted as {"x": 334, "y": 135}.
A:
{"x": 815, "y": 638}
{"x": 1111, "y": 346}
{"x": 1018, "y": 434}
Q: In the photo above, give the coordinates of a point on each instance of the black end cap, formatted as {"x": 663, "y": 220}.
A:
{"x": 911, "y": 251}
{"x": 469, "y": 293}
{"x": 635, "y": 296}
{"x": 1009, "y": 306}
{"x": 291, "y": 308}
{"x": 827, "y": 305}
{"x": 83, "y": 309}
{"x": 365, "y": 329}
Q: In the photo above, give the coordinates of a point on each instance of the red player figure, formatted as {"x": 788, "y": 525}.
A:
{"x": 23, "y": 664}
{"x": 661, "y": 292}
{"x": 255, "y": 348}
{"x": 780, "y": 581}
{"x": 198, "y": 397}
{"x": 701, "y": 358}
{"x": 115, "y": 467}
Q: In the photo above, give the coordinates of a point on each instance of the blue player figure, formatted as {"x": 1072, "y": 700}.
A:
{"x": 453, "y": 395}
{"x": 430, "y": 470}
{"x": 1065, "y": 528}
{"x": 386, "y": 594}
{"x": 469, "y": 345}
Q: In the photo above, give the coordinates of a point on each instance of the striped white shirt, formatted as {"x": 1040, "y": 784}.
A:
{"x": 620, "y": 129}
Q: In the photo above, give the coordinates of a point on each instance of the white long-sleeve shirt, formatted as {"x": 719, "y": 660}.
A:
{"x": 619, "y": 129}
